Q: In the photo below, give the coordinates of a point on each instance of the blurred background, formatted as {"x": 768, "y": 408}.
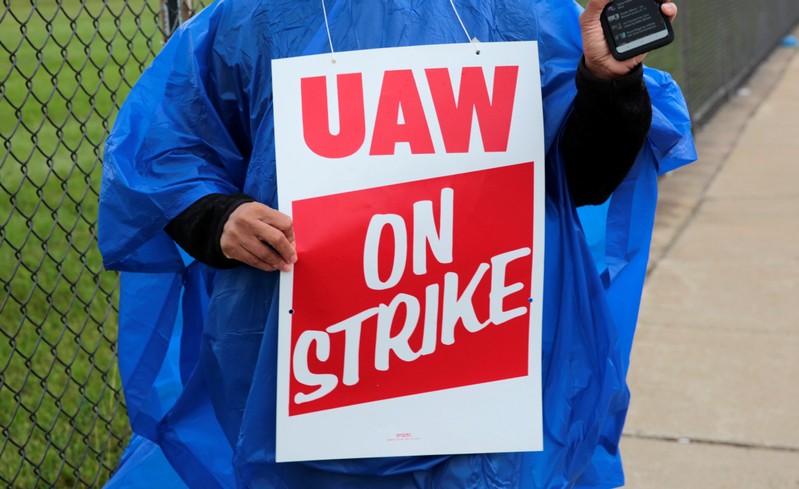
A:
{"x": 65, "y": 68}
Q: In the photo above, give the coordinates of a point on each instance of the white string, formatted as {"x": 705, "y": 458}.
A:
{"x": 468, "y": 37}
{"x": 451, "y": 2}
{"x": 327, "y": 26}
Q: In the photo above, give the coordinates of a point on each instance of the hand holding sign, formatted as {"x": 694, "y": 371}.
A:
{"x": 259, "y": 236}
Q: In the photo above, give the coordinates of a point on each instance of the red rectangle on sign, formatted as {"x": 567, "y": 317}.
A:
{"x": 411, "y": 288}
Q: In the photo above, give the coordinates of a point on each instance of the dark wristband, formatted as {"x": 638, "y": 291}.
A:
{"x": 629, "y": 85}
{"x": 198, "y": 229}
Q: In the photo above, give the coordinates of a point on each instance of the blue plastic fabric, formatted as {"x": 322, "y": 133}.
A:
{"x": 197, "y": 347}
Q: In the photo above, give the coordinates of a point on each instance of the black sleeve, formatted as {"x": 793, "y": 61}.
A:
{"x": 604, "y": 133}
{"x": 199, "y": 228}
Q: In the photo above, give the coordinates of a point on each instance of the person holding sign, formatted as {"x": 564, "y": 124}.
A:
{"x": 189, "y": 210}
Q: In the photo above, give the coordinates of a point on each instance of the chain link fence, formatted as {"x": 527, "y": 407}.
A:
{"x": 720, "y": 43}
{"x": 65, "y": 68}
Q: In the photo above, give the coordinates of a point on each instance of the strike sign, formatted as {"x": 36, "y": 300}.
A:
{"x": 411, "y": 324}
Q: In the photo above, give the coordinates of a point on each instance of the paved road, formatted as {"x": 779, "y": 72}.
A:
{"x": 715, "y": 367}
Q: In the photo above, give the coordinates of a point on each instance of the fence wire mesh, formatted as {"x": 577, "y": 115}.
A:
{"x": 723, "y": 41}
{"x": 65, "y": 68}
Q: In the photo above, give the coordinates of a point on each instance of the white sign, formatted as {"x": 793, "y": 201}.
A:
{"x": 411, "y": 324}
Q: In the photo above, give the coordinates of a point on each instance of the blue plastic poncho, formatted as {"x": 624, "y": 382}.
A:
{"x": 197, "y": 347}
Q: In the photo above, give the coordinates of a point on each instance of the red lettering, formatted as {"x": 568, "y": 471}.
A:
{"x": 316, "y": 117}
{"x": 399, "y": 93}
{"x": 493, "y": 116}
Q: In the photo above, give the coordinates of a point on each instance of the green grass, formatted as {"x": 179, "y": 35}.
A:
{"x": 64, "y": 70}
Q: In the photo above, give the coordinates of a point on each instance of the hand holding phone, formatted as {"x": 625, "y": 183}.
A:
{"x": 634, "y": 27}
{"x": 598, "y": 56}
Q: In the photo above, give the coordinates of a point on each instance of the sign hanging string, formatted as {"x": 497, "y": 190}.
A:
{"x": 468, "y": 37}
{"x": 329, "y": 38}
{"x": 451, "y": 2}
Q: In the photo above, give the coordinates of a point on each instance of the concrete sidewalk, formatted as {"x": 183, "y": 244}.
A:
{"x": 715, "y": 366}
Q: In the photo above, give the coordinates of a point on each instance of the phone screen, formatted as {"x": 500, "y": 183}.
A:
{"x": 635, "y": 23}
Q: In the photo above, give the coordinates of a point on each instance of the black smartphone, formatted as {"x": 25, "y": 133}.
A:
{"x": 633, "y": 27}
